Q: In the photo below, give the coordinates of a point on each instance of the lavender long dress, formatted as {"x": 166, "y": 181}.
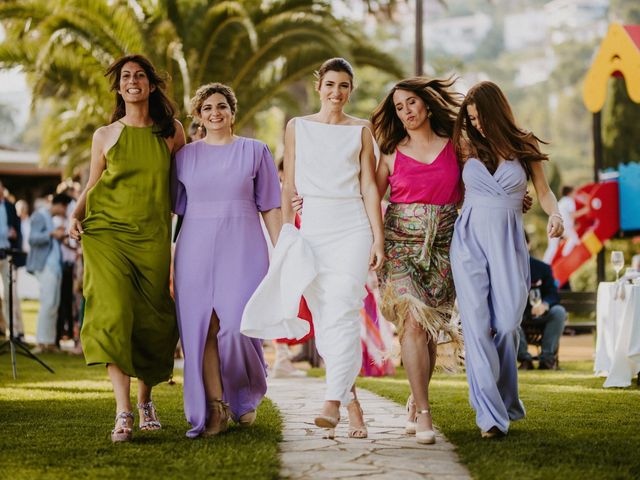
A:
{"x": 490, "y": 265}
{"x": 221, "y": 257}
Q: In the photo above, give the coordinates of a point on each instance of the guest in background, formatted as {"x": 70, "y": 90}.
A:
{"x": 376, "y": 335}
{"x": 546, "y": 314}
{"x": 568, "y": 210}
{"x": 22, "y": 209}
{"x": 196, "y": 131}
{"x": 10, "y": 237}
{"x": 45, "y": 262}
{"x": 65, "y": 328}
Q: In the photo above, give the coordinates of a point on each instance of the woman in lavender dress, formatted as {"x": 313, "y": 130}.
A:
{"x": 221, "y": 183}
{"x": 489, "y": 256}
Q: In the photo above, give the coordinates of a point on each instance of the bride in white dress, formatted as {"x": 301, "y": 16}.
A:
{"x": 329, "y": 161}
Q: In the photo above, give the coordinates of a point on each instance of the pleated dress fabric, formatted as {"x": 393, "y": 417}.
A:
{"x": 490, "y": 264}
{"x": 130, "y": 317}
{"x": 221, "y": 257}
{"x": 336, "y": 227}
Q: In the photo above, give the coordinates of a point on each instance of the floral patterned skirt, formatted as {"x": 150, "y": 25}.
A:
{"x": 416, "y": 279}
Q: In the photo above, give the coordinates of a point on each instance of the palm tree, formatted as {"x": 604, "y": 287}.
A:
{"x": 258, "y": 48}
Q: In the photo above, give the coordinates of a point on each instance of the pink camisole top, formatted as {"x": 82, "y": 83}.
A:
{"x": 436, "y": 183}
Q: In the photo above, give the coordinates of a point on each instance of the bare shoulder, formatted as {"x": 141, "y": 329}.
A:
{"x": 292, "y": 123}
{"x": 290, "y": 130}
{"x": 179, "y": 127}
{"x": 107, "y": 131}
{"x": 105, "y": 137}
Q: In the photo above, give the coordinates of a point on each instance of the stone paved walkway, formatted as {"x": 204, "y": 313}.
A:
{"x": 388, "y": 453}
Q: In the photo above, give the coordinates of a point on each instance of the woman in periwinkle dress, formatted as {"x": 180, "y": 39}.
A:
{"x": 489, "y": 256}
{"x": 221, "y": 185}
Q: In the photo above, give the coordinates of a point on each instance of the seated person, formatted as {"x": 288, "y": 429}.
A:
{"x": 549, "y": 315}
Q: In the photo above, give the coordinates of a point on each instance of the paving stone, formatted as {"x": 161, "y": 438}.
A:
{"x": 388, "y": 454}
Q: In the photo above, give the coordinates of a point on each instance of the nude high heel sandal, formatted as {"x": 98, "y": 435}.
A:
{"x": 359, "y": 431}
{"x": 427, "y": 437}
{"x": 217, "y": 408}
{"x": 329, "y": 423}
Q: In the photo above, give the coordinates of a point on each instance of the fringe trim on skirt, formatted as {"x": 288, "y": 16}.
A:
{"x": 439, "y": 323}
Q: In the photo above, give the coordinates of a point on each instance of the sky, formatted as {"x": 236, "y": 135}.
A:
{"x": 14, "y": 93}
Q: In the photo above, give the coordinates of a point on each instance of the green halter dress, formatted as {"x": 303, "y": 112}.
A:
{"x": 129, "y": 313}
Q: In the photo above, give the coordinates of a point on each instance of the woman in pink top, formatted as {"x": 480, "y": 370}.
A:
{"x": 413, "y": 126}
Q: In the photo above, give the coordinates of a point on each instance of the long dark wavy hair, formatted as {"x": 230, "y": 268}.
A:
{"x": 161, "y": 108}
{"x": 502, "y": 136}
{"x": 436, "y": 94}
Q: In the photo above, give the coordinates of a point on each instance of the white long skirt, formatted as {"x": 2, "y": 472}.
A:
{"x": 339, "y": 233}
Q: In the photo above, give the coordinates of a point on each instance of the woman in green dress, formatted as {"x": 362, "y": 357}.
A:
{"x": 123, "y": 217}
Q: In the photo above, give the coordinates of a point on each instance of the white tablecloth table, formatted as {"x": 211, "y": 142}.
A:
{"x": 618, "y": 335}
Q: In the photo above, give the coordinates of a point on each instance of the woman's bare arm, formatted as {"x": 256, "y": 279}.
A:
{"x": 273, "y": 221}
{"x": 288, "y": 183}
{"x": 371, "y": 198}
{"x": 547, "y": 199}
{"x": 101, "y": 138}
{"x": 382, "y": 174}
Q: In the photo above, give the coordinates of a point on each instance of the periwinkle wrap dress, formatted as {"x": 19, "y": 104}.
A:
{"x": 221, "y": 256}
{"x": 130, "y": 318}
{"x": 490, "y": 264}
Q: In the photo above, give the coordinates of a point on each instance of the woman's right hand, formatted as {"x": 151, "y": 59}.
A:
{"x": 296, "y": 204}
{"x": 75, "y": 229}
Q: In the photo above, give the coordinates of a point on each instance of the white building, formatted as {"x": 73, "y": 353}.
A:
{"x": 578, "y": 20}
{"x": 457, "y": 35}
{"x": 526, "y": 29}
{"x": 532, "y": 71}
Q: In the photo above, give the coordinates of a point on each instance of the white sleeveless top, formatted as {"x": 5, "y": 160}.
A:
{"x": 327, "y": 163}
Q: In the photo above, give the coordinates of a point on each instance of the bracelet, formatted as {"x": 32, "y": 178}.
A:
{"x": 557, "y": 215}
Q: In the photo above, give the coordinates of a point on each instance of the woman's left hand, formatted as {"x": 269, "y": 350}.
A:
{"x": 555, "y": 227}
{"x": 376, "y": 257}
{"x": 527, "y": 202}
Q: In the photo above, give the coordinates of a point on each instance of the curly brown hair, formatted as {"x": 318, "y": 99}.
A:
{"x": 205, "y": 91}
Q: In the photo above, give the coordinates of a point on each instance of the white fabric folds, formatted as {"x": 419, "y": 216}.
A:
{"x": 272, "y": 311}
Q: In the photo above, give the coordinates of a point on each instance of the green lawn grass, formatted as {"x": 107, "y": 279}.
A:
{"x": 574, "y": 428}
{"x": 56, "y": 426}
